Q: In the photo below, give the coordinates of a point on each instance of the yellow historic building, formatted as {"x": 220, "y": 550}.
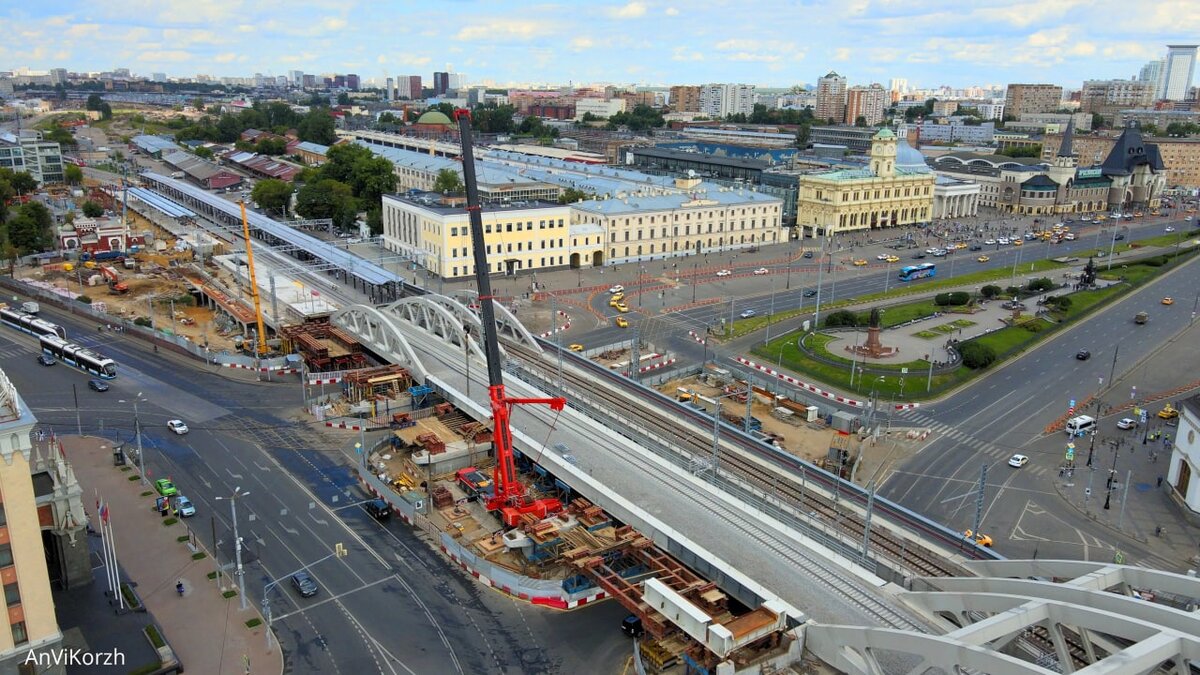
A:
{"x": 891, "y": 191}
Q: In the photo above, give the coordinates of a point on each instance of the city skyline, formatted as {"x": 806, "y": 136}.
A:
{"x": 652, "y": 42}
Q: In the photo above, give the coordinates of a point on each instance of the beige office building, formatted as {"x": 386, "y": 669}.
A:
{"x": 1032, "y": 98}
{"x": 867, "y": 102}
{"x": 23, "y": 565}
{"x": 831, "y": 98}
{"x": 685, "y": 99}
{"x": 893, "y": 191}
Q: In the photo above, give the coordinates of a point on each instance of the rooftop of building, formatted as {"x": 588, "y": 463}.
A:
{"x": 158, "y": 143}
{"x": 439, "y": 204}
{"x": 309, "y": 146}
{"x": 488, "y": 175}
{"x": 994, "y": 160}
{"x": 192, "y": 165}
{"x": 704, "y": 193}
{"x": 14, "y": 414}
{"x": 671, "y": 153}
{"x": 434, "y": 117}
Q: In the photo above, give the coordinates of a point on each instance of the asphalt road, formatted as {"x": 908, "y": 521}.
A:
{"x": 393, "y": 605}
{"x": 1007, "y": 412}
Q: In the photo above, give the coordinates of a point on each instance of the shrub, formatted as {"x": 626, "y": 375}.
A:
{"x": 941, "y": 299}
{"x": 955, "y": 298}
{"x": 990, "y": 291}
{"x": 1014, "y": 291}
{"x": 229, "y": 594}
{"x": 142, "y": 321}
{"x": 1039, "y": 285}
{"x": 170, "y": 521}
{"x": 977, "y": 356}
{"x": 156, "y": 638}
{"x": 199, "y": 555}
{"x": 254, "y": 623}
{"x": 842, "y": 317}
{"x": 84, "y": 299}
{"x": 1061, "y": 303}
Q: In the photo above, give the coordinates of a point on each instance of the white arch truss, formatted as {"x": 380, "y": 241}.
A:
{"x": 381, "y": 334}
{"x": 1031, "y": 616}
{"x": 507, "y": 323}
{"x": 433, "y": 317}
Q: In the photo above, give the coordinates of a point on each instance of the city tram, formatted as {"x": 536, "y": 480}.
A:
{"x": 31, "y": 324}
{"x": 81, "y": 357}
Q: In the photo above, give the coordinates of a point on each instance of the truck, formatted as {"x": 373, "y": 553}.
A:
{"x": 103, "y": 256}
{"x": 474, "y": 482}
{"x": 30, "y": 307}
{"x": 1141, "y": 318}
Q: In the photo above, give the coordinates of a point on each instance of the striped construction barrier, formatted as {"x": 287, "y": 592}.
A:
{"x": 324, "y": 380}
{"x": 652, "y": 366}
{"x": 802, "y": 385}
{"x": 565, "y": 326}
{"x": 697, "y": 338}
{"x": 347, "y": 425}
{"x": 278, "y": 371}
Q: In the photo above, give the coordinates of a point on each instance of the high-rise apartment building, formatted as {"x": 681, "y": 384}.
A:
{"x": 441, "y": 83}
{"x": 408, "y": 86}
{"x": 831, "y": 98}
{"x": 352, "y": 82}
{"x": 720, "y": 100}
{"x": 1108, "y": 97}
{"x": 1180, "y": 68}
{"x": 296, "y": 77}
{"x": 59, "y": 76}
{"x": 685, "y": 98}
{"x": 23, "y": 556}
{"x": 1153, "y": 73}
{"x": 868, "y": 102}
{"x": 389, "y": 91}
{"x": 1032, "y": 98}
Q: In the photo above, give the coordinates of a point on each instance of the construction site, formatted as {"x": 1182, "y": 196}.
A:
{"x": 461, "y": 475}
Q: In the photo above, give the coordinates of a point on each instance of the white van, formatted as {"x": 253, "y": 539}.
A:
{"x": 1081, "y": 425}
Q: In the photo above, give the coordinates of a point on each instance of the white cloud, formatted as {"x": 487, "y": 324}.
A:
{"x": 842, "y": 54}
{"x": 632, "y": 10}
{"x": 517, "y": 30}
{"x": 684, "y": 54}
{"x": 582, "y": 42}
{"x": 172, "y": 55}
{"x": 671, "y": 11}
{"x": 226, "y": 57}
{"x": 753, "y": 56}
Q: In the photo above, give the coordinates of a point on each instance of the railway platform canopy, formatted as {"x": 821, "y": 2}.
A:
{"x": 378, "y": 283}
{"x": 1033, "y": 616}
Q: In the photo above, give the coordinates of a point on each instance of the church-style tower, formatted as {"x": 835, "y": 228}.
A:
{"x": 883, "y": 154}
{"x": 1062, "y": 169}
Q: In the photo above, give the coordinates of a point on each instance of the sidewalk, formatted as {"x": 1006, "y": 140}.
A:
{"x": 206, "y": 631}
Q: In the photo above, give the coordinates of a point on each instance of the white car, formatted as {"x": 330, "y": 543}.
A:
{"x": 746, "y": 314}
{"x": 990, "y": 242}
{"x": 761, "y": 271}
{"x": 1126, "y": 423}
{"x": 1070, "y": 236}
{"x": 724, "y": 273}
{"x": 930, "y": 250}
{"x": 1189, "y": 219}
{"x": 1003, "y": 240}
{"x": 1170, "y": 229}
{"x": 1018, "y": 461}
{"x": 184, "y": 506}
{"x": 617, "y": 289}
{"x": 177, "y": 426}
{"x": 881, "y": 256}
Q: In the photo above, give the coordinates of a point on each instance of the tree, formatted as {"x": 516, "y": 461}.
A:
{"x": 204, "y": 152}
{"x": 1183, "y": 129}
{"x": 1097, "y": 121}
{"x": 72, "y": 174}
{"x": 271, "y": 146}
{"x": 977, "y": 356}
{"x": 317, "y": 127}
{"x": 29, "y": 230}
{"x": 387, "y": 119}
{"x": 493, "y": 119}
{"x": 272, "y": 194}
{"x": 375, "y": 220}
{"x": 328, "y": 199}
{"x": 571, "y": 195}
{"x": 447, "y": 181}
{"x": 371, "y": 178}
{"x": 860, "y": 121}
{"x": 1021, "y": 151}
{"x": 803, "y": 134}
{"x": 95, "y": 102}
{"x": 990, "y": 291}
{"x": 20, "y": 181}
{"x": 841, "y": 317}
{"x": 62, "y": 137}
{"x": 1150, "y": 130}
{"x": 92, "y": 210}
{"x": 343, "y": 98}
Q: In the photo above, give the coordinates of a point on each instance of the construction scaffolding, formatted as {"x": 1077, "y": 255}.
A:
{"x": 323, "y": 346}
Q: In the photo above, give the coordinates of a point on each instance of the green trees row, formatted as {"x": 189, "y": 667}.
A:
{"x": 352, "y": 179}
{"x": 27, "y": 228}
{"x": 316, "y": 126}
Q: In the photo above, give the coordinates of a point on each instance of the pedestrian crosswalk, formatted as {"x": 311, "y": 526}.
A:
{"x": 943, "y": 430}
{"x": 13, "y": 350}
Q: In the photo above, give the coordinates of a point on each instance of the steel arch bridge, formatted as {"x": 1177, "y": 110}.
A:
{"x": 448, "y": 319}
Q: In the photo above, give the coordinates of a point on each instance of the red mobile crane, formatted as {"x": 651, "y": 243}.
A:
{"x": 509, "y": 495}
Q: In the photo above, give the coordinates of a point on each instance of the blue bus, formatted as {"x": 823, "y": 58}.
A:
{"x": 918, "y": 271}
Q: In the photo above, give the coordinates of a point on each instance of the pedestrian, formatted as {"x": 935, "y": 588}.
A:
{"x": 1160, "y": 479}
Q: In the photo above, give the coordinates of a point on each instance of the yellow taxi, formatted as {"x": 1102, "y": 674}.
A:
{"x": 621, "y": 307}
{"x": 960, "y": 245}
{"x": 575, "y": 347}
{"x": 622, "y": 322}
{"x": 892, "y": 258}
{"x": 860, "y": 263}
{"x": 615, "y": 302}
{"x": 1137, "y": 214}
{"x": 1168, "y": 301}
{"x": 1018, "y": 242}
{"x": 983, "y": 258}
{"x": 1156, "y": 213}
{"x": 979, "y": 537}
{"x": 1101, "y": 217}
{"x": 616, "y": 297}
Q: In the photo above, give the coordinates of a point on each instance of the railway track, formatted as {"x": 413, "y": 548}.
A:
{"x": 844, "y": 511}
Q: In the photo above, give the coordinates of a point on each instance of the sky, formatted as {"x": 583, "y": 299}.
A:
{"x": 770, "y": 43}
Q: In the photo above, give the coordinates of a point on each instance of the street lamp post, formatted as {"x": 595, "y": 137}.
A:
{"x": 137, "y": 426}
{"x": 237, "y": 541}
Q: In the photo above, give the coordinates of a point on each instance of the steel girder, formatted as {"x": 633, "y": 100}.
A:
{"x": 507, "y": 323}
{"x": 382, "y": 334}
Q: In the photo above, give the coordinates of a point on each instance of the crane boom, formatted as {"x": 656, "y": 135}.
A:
{"x": 509, "y": 494}
{"x": 262, "y": 336}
